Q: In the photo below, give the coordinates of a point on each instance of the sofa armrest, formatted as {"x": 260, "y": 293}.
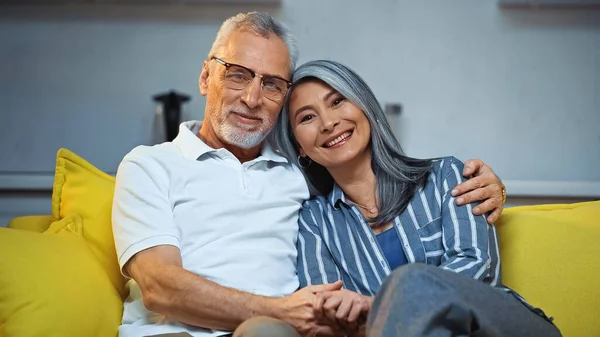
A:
{"x": 35, "y": 223}
{"x": 550, "y": 256}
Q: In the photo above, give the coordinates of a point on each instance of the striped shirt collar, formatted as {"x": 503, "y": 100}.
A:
{"x": 336, "y": 195}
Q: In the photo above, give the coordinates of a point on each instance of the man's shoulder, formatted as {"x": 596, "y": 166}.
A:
{"x": 158, "y": 160}
{"x": 158, "y": 153}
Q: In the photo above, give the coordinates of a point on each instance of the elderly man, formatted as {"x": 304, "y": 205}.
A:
{"x": 205, "y": 226}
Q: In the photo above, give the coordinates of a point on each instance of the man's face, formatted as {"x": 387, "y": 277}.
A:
{"x": 244, "y": 117}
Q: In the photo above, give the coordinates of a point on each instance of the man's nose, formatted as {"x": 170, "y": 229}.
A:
{"x": 252, "y": 95}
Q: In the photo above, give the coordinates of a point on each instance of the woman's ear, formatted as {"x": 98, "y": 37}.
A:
{"x": 203, "y": 79}
{"x": 302, "y": 153}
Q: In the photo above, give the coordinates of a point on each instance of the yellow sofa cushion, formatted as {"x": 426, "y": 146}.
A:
{"x": 35, "y": 223}
{"x": 80, "y": 188}
{"x": 52, "y": 285}
{"x": 71, "y": 224}
{"x": 550, "y": 256}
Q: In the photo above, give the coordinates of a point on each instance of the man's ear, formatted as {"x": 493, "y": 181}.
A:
{"x": 203, "y": 79}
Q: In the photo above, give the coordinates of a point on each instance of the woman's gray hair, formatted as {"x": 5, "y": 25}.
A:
{"x": 259, "y": 23}
{"x": 397, "y": 176}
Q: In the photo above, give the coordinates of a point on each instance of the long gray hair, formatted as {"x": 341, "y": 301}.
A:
{"x": 397, "y": 176}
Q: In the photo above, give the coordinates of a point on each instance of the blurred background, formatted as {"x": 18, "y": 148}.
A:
{"x": 513, "y": 82}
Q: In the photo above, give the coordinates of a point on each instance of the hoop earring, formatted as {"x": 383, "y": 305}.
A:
{"x": 307, "y": 162}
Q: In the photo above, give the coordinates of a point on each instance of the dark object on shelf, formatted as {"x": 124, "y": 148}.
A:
{"x": 393, "y": 109}
{"x": 171, "y": 111}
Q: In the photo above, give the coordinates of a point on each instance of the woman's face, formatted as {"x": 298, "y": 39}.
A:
{"x": 329, "y": 129}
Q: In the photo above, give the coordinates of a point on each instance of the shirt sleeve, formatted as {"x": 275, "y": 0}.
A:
{"x": 315, "y": 262}
{"x": 470, "y": 242}
{"x": 142, "y": 216}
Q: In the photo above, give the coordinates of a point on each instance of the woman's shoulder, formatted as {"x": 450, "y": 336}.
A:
{"x": 315, "y": 203}
{"x": 313, "y": 211}
{"x": 443, "y": 166}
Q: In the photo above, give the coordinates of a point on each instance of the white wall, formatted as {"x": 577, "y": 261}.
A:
{"x": 519, "y": 89}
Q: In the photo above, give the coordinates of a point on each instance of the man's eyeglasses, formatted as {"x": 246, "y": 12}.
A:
{"x": 238, "y": 77}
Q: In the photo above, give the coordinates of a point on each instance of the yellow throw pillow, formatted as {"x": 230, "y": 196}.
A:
{"x": 80, "y": 188}
{"x": 52, "y": 285}
{"x": 550, "y": 256}
{"x": 72, "y": 224}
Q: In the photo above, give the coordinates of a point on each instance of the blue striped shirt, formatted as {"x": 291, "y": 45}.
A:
{"x": 336, "y": 243}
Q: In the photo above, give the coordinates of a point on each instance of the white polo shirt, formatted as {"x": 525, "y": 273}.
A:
{"x": 235, "y": 224}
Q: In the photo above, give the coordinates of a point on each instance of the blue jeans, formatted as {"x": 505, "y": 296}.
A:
{"x": 427, "y": 301}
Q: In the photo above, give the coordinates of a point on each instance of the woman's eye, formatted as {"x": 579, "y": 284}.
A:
{"x": 306, "y": 118}
{"x": 337, "y": 101}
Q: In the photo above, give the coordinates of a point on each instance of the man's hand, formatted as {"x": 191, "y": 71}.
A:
{"x": 297, "y": 310}
{"x": 483, "y": 185}
{"x": 347, "y": 308}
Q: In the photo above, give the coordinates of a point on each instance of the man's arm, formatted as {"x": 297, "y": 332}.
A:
{"x": 484, "y": 186}
{"x": 170, "y": 290}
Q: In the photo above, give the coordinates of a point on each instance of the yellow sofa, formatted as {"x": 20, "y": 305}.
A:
{"x": 59, "y": 274}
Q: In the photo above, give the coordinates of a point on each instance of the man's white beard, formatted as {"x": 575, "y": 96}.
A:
{"x": 235, "y": 135}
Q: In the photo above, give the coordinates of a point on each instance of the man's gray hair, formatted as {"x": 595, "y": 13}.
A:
{"x": 259, "y": 23}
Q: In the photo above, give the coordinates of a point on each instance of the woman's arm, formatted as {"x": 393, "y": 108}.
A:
{"x": 470, "y": 242}
{"x": 315, "y": 262}
{"x": 343, "y": 308}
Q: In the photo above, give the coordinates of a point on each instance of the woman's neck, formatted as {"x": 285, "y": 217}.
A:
{"x": 357, "y": 180}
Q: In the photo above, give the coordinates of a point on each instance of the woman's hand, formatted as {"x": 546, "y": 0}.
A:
{"x": 484, "y": 186}
{"x": 297, "y": 310}
{"x": 346, "y": 308}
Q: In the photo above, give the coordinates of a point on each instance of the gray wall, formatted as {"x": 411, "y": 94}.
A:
{"x": 517, "y": 88}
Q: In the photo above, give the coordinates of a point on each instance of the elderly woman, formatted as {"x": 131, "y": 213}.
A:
{"x": 387, "y": 225}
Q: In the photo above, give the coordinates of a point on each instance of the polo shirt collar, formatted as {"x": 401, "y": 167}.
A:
{"x": 192, "y": 147}
{"x": 188, "y": 142}
{"x": 267, "y": 153}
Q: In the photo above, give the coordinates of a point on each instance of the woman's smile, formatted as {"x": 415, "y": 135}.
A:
{"x": 339, "y": 140}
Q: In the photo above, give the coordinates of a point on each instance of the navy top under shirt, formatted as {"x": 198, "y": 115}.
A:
{"x": 390, "y": 243}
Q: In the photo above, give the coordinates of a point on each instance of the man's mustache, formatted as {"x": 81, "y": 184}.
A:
{"x": 248, "y": 113}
